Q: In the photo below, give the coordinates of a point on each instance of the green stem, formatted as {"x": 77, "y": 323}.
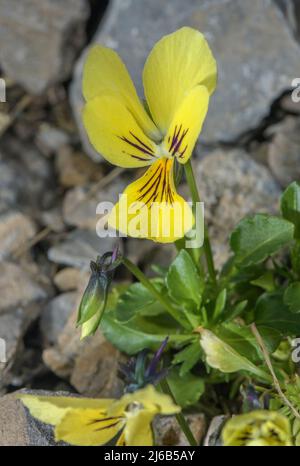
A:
{"x": 268, "y": 362}
{"x": 179, "y": 416}
{"x": 177, "y": 315}
{"x": 196, "y": 198}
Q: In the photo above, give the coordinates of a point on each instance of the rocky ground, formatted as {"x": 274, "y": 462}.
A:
{"x": 51, "y": 179}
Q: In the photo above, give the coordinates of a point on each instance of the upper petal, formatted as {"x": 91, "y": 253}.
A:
{"x": 176, "y": 64}
{"x": 186, "y": 124}
{"x": 105, "y": 73}
{"x": 88, "y": 427}
{"x": 151, "y": 208}
{"x": 115, "y": 133}
{"x": 51, "y": 409}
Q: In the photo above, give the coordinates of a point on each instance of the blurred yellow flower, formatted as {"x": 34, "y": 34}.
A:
{"x": 178, "y": 77}
{"x": 92, "y": 422}
{"x": 257, "y": 428}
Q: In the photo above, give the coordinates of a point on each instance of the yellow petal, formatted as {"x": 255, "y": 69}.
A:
{"x": 114, "y": 133}
{"x": 105, "y": 73}
{"x": 138, "y": 430}
{"x": 177, "y": 63}
{"x": 151, "y": 208}
{"x": 186, "y": 124}
{"x": 51, "y": 409}
{"x": 88, "y": 427}
{"x": 149, "y": 399}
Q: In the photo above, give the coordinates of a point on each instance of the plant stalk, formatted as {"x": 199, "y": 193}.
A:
{"x": 196, "y": 198}
{"x": 179, "y": 416}
{"x": 177, "y": 315}
{"x": 272, "y": 372}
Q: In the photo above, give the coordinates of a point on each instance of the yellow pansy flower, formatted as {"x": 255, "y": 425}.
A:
{"x": 179, "y": 76}
{"x": 257, "y": 428}
{"x": 92, "y": 422}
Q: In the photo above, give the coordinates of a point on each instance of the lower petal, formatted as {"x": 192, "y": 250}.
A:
{"x": 151, "y": 208}
{"x": 138, "y": 429}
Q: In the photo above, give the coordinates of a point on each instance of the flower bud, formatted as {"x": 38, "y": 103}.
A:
{"x": 94, "y": 298}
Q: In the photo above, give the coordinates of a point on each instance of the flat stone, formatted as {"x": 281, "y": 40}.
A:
{"x": 79, "y": 207}
{"x": 213, "y": 435}
{"x": 79, "y": 248}
{"x": 256, "y": 53}
{"x": 56, "y": 314}
{"x": 19, "y": 428}
{"x": 70, "y": 278}
{"x": 15, "y": 230}
{"x": 90, "y": 365}
{"x": 40, "y": 39}
{"x": 50, "y": 139}
{"x": 168, "y": 433}
{"x": 291, "y": 9}
{"x": 26, "y": 176}
{"x": 17, "y": 287}
{"x": 233, "y": 185}
{"x": 13, "y": 326}
{"x": 75, "y": 168}
{"x": 284, "y": 151}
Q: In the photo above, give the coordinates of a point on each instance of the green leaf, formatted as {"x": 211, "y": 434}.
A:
{"x": 235, "y": 311}
{"x": 290, "y": 205}
{"x": 259, "y": 236}
{"x": 292, "y": 297}
{"x": 271, "y": 311}
{"x": 224, "y": 357}
{"x": 142, "y": 332}
{"x": 188, "y": 357}
{"x": 220, "y": 304}
{"x": 186, "y": 389}
{"x": 183, "y": 281}
{"x": 244, "y": 342}
{"x": 265, "y": 281}
{"x": 138, "y": 300}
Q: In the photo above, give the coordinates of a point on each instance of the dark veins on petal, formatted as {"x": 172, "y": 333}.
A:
{"x": 151, "y": 187}
{"x": 137, "y": 143}
{"x": 177, "y": 141}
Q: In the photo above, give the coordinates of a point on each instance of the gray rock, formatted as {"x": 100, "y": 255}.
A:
{"x": 19, "y": 428}
{"x": 213, "y": 436}
{"x": 90, "y": 365}
{"x": 231, "y": 186}
{"x": 17, "y": 287}
{"x": 79, "y": 208}
{"x": 50, "y": 139}
{"x": 15, "y": 230}
{"x": 254, "y": 47}
{"x": 21, "y": 302}
{"x": 168, "y": 433}
{"x": 56, "y": 314}
{"x": 75, "y": 168}
{"x": 13, "y": 326}
{"x": 79, "y": 248}
{"x": 70, "y": 278}
{"x": 291, "y": 9}
{"x": 28, "y": 191}
{"x": 284, "y": 151}
{"x": 40, "y": 39}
